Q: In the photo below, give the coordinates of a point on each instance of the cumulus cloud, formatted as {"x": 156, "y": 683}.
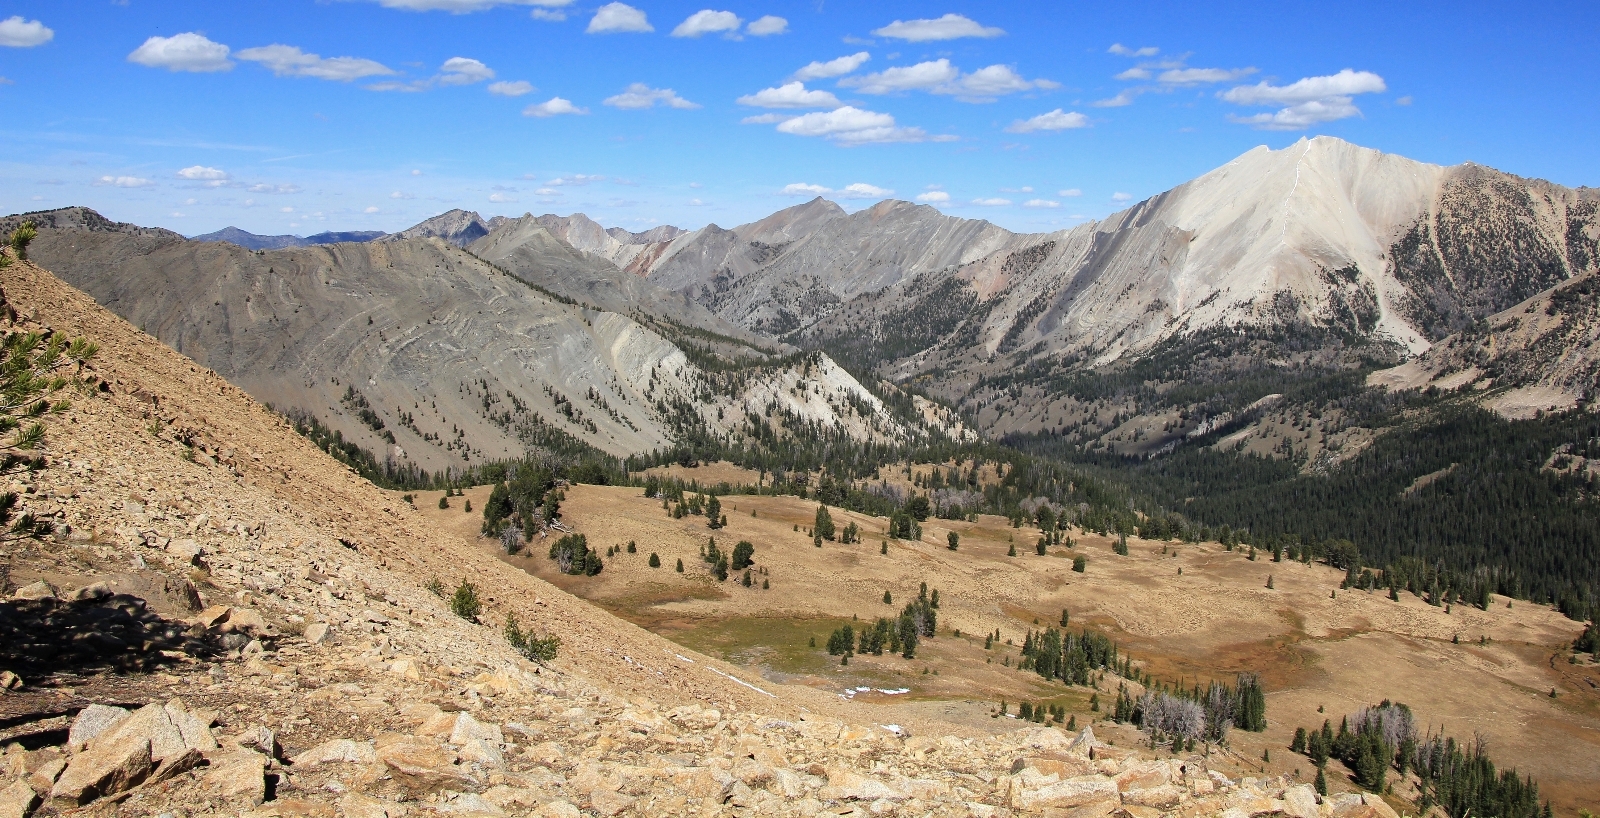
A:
{"x": 789, "y": 95}
{"x": 767, "y": 25}
{"x": 123, "y": 181}
{"x": 201, "y": 173}
{"x": 188, "y": 51}
{"x": 1137, "y": 72}
{"x": 1056, "y": 120}
{"x": 1040, "y": 203}
{"x": 1070, "y": 192}
{"x": 500, "y": 198}
{"x": 371, "y": 210}
{"x": 1119, "y": 196}
{"x": 803, "y": 189}
{"x": 862, "y": 190}
{"x": 1123, "y": 51}
{"x": 1343, "y": 84}
{"x": 940, "y": 77}
{"x": 991, "y": 202}
{"x": 465, "y": 6}
{"x": 1309, "y": 101}
{"x": 639, "y": 96}
{"x": 555, "y": 106}
{"x": 706, "y": 21}
{"x": 948, "y": 27}
{"x": 1202, "y": 76}
{"x": 614, "y": 18}
{"x": 290, "y": 61}
{"x": 511, "y": 88}
{"x": 16, "y": 32}
{"x": 1302, "y": 116}
{"x": 832, "y": 68}
{"x": 934, "y": 197}
{"x": 853, "y": 126}
{"x": 464, "y": 71}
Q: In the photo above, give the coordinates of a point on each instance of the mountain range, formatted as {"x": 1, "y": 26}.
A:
{"x": 1282, "y": 270}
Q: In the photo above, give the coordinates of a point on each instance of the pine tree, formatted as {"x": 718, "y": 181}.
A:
{"x": 655, "y": 560}
{"x": 823, "y": 528}
{"x": 954, "y": 539}
{"x": 887, "y": 599}
{"x": 1321, "y": 783}
{"x": 680, "y": 565}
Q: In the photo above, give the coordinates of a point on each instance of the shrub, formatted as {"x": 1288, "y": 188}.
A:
{"x": 743, "y": 555}
{"x": 655, "y": 560}
{"x": 465, "y": 603}
{"x": 537, "y": 648}
{"x": 435, "y": 587}
{"x": 954, "y": 540}
{"x": 444, "y": 502}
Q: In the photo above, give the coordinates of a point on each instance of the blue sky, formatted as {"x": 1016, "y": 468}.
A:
{"x": 293, "y": 116}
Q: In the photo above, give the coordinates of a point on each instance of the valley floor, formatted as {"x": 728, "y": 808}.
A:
{"x": 1188, "y": 613}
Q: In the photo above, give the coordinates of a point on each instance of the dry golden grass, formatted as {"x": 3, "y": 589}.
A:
{"x": 1212, "y": 620}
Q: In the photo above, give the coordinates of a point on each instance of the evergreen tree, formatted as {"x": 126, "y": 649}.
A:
{"x": 824, "y": 524}
{"x": 954, "y": 540}
{"x": 743, "y": 555}
{"x": 655, "y": 560}
{"x": 713, "y": 513}
{"x": 680, "y": 565}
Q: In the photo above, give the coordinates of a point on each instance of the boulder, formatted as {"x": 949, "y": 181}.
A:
{"x": 336, "y": 751}
{"x": 607, "y": 803}
{"x": 420, "y": 758}
{"x": 1144, "y": 775}
{"x": 93, "y": 591}
{"x": 35, "y": 591}
{"x": 316, "y": 633}
{"x": 107, "y": 767}
{"x": 195, "y": 729}
{"x": 91, "y": 722}
{"x": 848, "y": 785}
{"x": 357, "y": 805}
{"x": 17, "y": 801}
{"x": 1163, "y": 796}
{"x": 1300, "y": 802}
{"x": 241, "y": 774}
{"x": 1061, "y": 765}
{"x": 1073, "y": 792}
{"x": 466, "y": 728}
{"x": 152, "y": 724}
{"x": 1362, "y": 805}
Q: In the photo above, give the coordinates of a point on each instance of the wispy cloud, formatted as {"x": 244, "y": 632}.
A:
{"x": 291, "y": 61}
{"x": 1056, "y": 120}
{"x": 767, "y": 26}
{"x": 941, "y": 77}
{"x": 123, "y": 181}
{"x": 1309, "y": 101}
{"x": 853, "y": 126}
{"x": 639, "y": 96}
{"x": 832, "y": 68}
{"x": 1123, "y": 51}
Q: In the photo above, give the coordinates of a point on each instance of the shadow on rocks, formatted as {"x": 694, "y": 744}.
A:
{"x": 40, "y": 638}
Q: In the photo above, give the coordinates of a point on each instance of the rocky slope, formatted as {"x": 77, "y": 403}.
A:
{"x": 1542, "y": 354}
{"x": 322, "y": 678}
{"x": 427, "y": 354}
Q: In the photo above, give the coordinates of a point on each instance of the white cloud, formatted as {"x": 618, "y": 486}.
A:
{"x": 638, "y": 96}
{"x": 1135, "y": 73}
{"x": 1310, "y": 101}
{"x": 123, "y": 181}
{"x": 416, "y": 172}
{"x": 940, "y": 77}
{"x": 1405, "y": 100}
{"x": 862, "y": 190}
{"x": 991, "y": 202}
{"x": 465, "y": 6}
{"x": 200, "y": 173}
{"x": 803, "y": 189}
{"x": 555, "y": 106}
{"x": 1023, "y": 189}
{"x": 790, "y": 95}
{"x": 464, "y": 71}
{"x": 1070, "y": 192}
{"x": 696, "y": 203}
{"x": 832, "y": 68}
{"x": 1119, "y": 196}
{"x": 763, "y": 119}
{"x": 1123, "y": 51}
{"x": 1343, "y": 84}
{"x": 548, "y": 15}
{"x": 706, "y": 21}
{"x": 923, "y": 76}
{"x": 934, "y": 197}
{"x": 615, "y": 18}
{"x": 278, "y": 189}
{"x": 1040, "y": 203}
{"x": 370, "y": 210}
{"x": 767, "y": 26}
{"x": 984, "y": 84}
{"x": 852, "y": 126}
{"x": 182, "y": 52}
{"x": 1203, "y": 76}
{"x": 547, "y": 191}
{"x": 398, "y": 195}
{"x": 16, "y": 32}
{"x": 1121, "y": 99}
{"x": 290, "y": 61}
{"x": 285, "y": 210}
{"x": 1056, "y": 120}
{"x": 511, "y": 88}
{"x": 1302, "y": 116}
{"x": 948, "y": 27}
{"x": 576, "y": 179}
{"x": 501, "y": 198}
